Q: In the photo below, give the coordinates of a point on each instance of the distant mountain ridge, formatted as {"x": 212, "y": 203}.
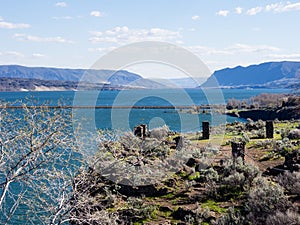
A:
{"x": 109, "y": 78}
{"x": 284, "y": 74}
{"x": 41, "y": 73}
{"x": 270, "y": 75}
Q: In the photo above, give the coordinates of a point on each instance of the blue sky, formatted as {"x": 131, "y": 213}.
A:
{"x": 75, "y": 33}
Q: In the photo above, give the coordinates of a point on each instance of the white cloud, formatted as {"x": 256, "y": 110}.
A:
{"x": 192, "y": 29}
{"x": 238, "y": 10}
{"x": 38, "y": 55}
{"x": 291, "y": 7}
{"x": 96, "y": 14}
{"x": 15, "y": 57}
{"x": 275, "y": 8}
{"x": 234, "y": 49}
{"x": 222, "y": 13}
{"x": 25, "y": 37}
{"x": 61, "y": 4}
{"x": 9, "y": 25}
{"x": 102, "y": 50}
{"x": 251, "y": 48}
{"x": 254, "y": 11}
{"x": 62, "y": 17}
{"x": 123, "y": 35}
{"x": 234, "y": 55}
{"x": 14, "y": 54}
{"x": 285, "y": 56}
{"x": 203, "y": 50}
{"x": 283, "y": 7}
{"x": 195, "y": 17}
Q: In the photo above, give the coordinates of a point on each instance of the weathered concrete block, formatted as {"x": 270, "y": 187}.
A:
{"x": 269, "y": 129}
{"x": 140, "y": 130}
{"x": 238, "y": 150}
{"x": 205, "y": 130}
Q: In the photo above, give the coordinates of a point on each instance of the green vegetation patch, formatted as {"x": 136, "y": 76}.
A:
{"x": 213, "y": 206}
{"x": 194, "y": 176}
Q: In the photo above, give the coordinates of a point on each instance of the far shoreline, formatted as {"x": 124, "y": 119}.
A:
{"x": 62, "y": 89}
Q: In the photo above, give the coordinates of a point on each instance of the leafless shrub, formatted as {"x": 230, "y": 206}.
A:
{"x": 264, "y": 144}
{"x": 211, "y": 188}
{"x": 254, "y": 125}
{"x": 37, "y": 163}
{"x": 236, "y": 127}
{"x": 284, "y": 133}
{"x": 232, "y": 217}
{"x": 249, "y": 172}
{"x": 294, "y": 134}
{"x": 291, "y": 101}
{"x": 267, "y": 100}
{"x": 160, "y": 132}
{"x": 278, "y": 146}
{"x": 290, "y": 181}
{"x": 127, "y": 144}
{"x": 233, "y": 104}
{"x": 284, "y": 218}
{"x": 211, "y": 174}
{"x": 92, "y": 196}
{"x": 235, "y": 180}
{"x": 265, "y": 198}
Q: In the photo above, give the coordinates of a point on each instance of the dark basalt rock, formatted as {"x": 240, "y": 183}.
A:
{"x": 147, "y": 190}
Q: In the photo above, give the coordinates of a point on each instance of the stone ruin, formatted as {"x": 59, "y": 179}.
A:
{"x": 140, "y": 130}
{"x": 179, "y": 142}
{"x": 269, "y": 129}
{"x": 205, "y": 128}
{"x": 238, "y": 150}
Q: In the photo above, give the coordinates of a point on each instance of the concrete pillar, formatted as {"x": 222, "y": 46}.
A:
{"x": 179, "y": 142}
{"x": 238, "y": 150}
{"x": 140, "y": 130}
{"x": 205, "y": 130}
{"x": 269, "y": 129}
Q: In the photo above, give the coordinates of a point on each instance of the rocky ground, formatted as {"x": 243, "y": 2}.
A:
{"x": 209, "y": 188}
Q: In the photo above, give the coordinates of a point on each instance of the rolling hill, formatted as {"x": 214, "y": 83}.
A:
{"x": 16, "y": 77}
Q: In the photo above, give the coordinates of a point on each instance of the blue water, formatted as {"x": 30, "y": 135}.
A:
{"x": 109, "y": 97}
{"x": 126, "y": 119}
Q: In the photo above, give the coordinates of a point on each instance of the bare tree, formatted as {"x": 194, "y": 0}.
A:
{"x": 38, "y": 161}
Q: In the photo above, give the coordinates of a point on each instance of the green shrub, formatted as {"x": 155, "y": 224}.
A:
{"x": 213, "y": 206}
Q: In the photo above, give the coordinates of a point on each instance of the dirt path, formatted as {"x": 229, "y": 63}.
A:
{"x": 252, "y": 156}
